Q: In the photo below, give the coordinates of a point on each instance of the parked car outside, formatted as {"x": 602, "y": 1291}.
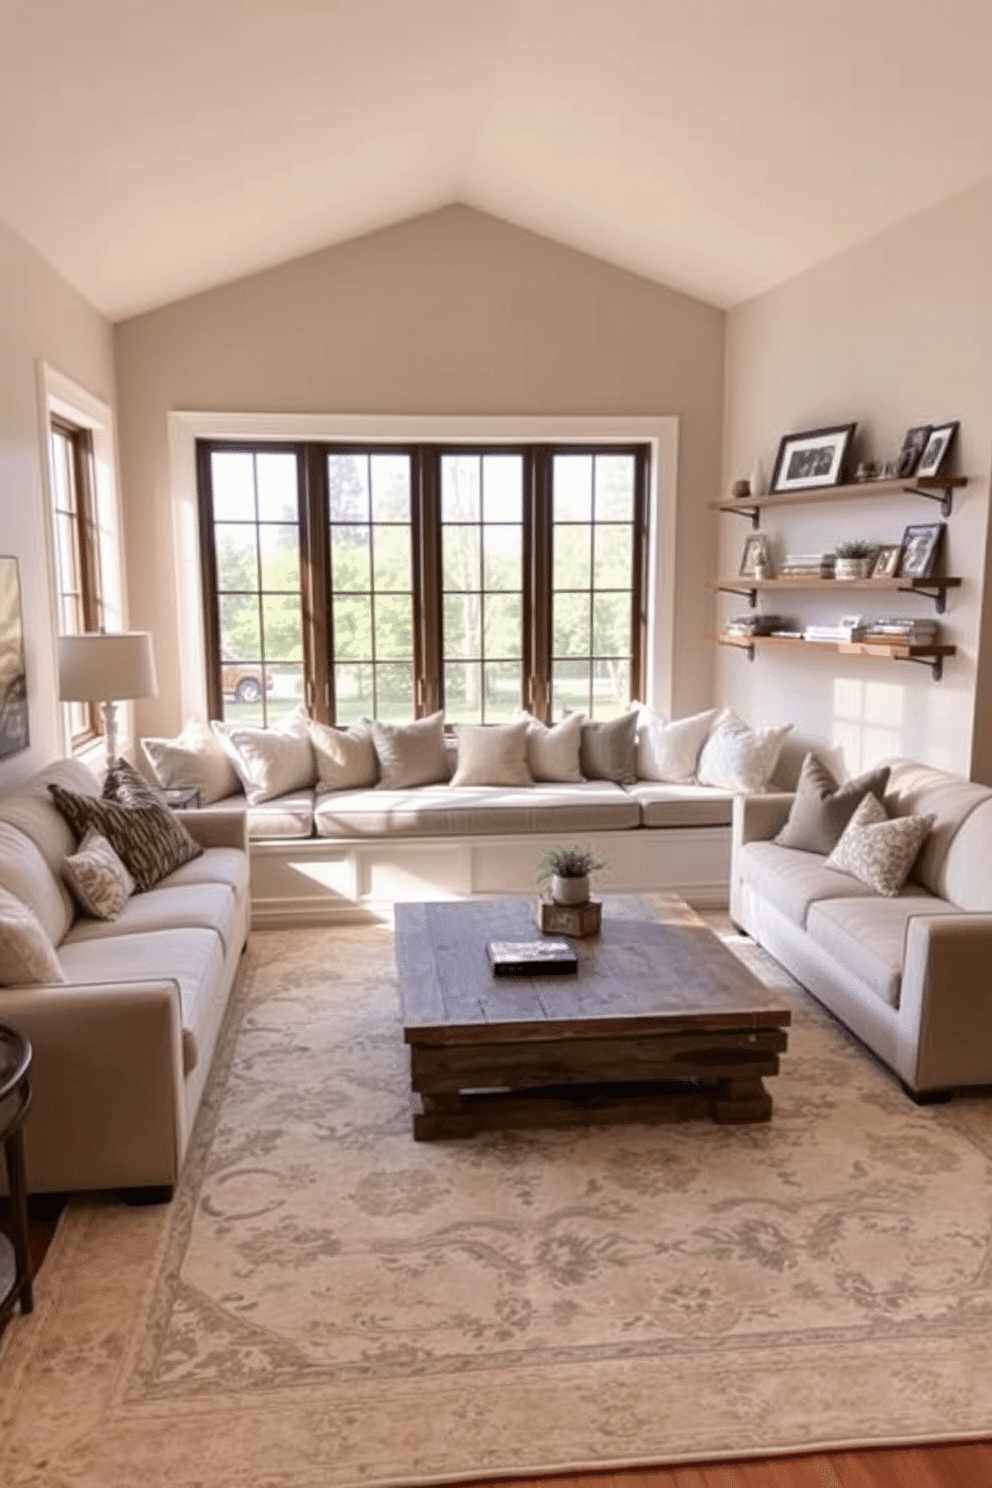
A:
{"x": 243, "y": 680}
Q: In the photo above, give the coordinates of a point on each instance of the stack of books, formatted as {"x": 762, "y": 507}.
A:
{"x": 808, "y": 566}
{"x": 901, "y": 631}
{"x": 754, "y": 625}
{"x": 850, "y": 628}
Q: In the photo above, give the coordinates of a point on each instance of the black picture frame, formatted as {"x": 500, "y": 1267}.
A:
{"x": 920, "y": 546}
{"x": 887, "y": 561}
{"x": 913, "y": 444}
{"x": 811, "y": 459}
{"x": 936, "y": 450}
{"x": 14, "y": 732}
{"x": 756, "y": 552}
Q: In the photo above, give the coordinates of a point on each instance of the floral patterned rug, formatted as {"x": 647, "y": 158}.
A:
{"x": 328, "y": 1302}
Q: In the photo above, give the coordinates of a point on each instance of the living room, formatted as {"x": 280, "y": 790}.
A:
{"x": 450, "y": 309}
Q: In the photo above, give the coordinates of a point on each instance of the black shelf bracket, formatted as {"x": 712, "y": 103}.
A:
{"x": 751, "y": 595}
{"x": 945, "y": 497}
{"x": 936, "y": 592}
{"x": 935, "y": 663}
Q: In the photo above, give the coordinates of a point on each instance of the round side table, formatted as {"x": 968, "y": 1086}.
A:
{"x": 15, "y": 1101}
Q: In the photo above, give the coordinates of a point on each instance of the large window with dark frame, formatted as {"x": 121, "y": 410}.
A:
{"x": 390, "y": 581}
{"x": 77, "y": 557}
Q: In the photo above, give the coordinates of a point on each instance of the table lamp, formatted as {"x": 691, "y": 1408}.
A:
{"x": 107, "y": 668}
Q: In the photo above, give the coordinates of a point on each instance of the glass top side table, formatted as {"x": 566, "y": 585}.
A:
{"x": 15, "y": 1101}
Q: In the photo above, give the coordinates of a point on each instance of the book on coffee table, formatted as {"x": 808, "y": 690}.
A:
{"x": 531, "y": 958}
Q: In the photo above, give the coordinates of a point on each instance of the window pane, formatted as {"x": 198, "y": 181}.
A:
{"x": 282, "y": 619}
{"x": 350, "y": 558}
{"x": 278, "y": 500}
{"x": 460, "y": 488}
{"x": 240, "y": 634}
{"x": 502, "y": 488}
{"x": 461, "y": 557}
{"x": 391, "y": 558}
{"x": 237, "y": 563}
{"x": 284, "y": 683}
{"x": 394, "y": 692}
{"x": 68, "y": 554}
{"x": 280, "y": 552}
{"x": 62, "y": 484}
{"x": 611, "y": 688}
{"x": 611, "y": 625}
{"x": 72, "y": 614}
{"x": 504, "y": 625}
{"x": 463, "y": 692}
{"x": 572, "y": 557}
{"x": 353, "y": 627}
{"x": 233, "y": 481}
{"x": 348, "y": 488}
{"x": 614, "y": 548}
{"x": 572, "y": 476}
{"x": 462, "y": 634}
{"x": 615, "y": 488}
{"x": 393, "y": 627}
{"x": 502, "y": 557}
{"x": 503, "y": 681}
{"x": 353, "y": 692}
{"x": 571, "y": 689}
{"x": 390, "y": 488}
{"x": 572, "y": 636}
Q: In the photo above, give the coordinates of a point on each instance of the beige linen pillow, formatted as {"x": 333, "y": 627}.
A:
{"x": 27, "y": 955}
{"x": 271, "y": 761}
{"x": 346, "y": 758}
{"x": 821, "y": 808}
{"x": 100, "y": 882}
{"x": 553, "y": 750}
{"x": 196, "y": 758}
{"x": 412, "y": 753}
{"x": 736, "y": 757}
{"x": 669, "y": 750}
{"x": 880, "y": 849}
{"x": 492, "y": 754}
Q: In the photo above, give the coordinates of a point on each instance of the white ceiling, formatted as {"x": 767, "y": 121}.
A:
{"x": 152, "y": 148}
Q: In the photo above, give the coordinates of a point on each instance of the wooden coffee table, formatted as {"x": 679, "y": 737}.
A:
{"x": 662, "y": 1021}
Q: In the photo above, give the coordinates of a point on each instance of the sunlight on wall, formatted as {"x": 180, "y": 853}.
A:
{"x": 869, "y": 721}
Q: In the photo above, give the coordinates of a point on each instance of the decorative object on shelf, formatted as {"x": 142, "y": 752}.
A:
{"x": 568, "y": 869}
{"x": 531, "y": 958}
{"x": 890, "y": 469}
{"x": 936, "y": 449}
{"x": 814, "y": 458}
{"x": 740, "y": 490}
{"x": 913, "y": 445}
{"x": 867, "y": 470}
{"x": 757, "y": 554}
{"x": 752, "y": 625}
{"x": 887, "y": 561}
{"x": 920, "y": 546}
{"x": 13, "y": 678}
{"x": 757, "y": 481}
{"x": 570, "y": 919}
{"x": 854, "y": 559}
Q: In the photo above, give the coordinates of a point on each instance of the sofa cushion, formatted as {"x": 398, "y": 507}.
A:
{"x": 682, "y": 805}
{"x": 669, "y": 750}
{"x": 553, "y": 749}
{"x": 287, "y": 816}
{"x": 345, "y": 757}
{"x": 195, "y": 758}
{"x": 215, "y": 865}
{"x": 210, "y": 906}
{"x": 608, "y": 750}
{"x": 151, "y": 840}
{"x": 867, "y": 936}
{"x": 99, "y": 881}
{"x": 821, "y": 808}
{"x": 964, "y": 877}
{"x": 440, "y": 811}
{"x": 878, "y": 849}
{"x": 921, "y": 790}
{"x": 31, "y": 809}
{"x": 492, "y": 754}
{"x": 25, "y": 873}
{"x": 271, "y": 762}
{"x": 27, "y": 956}
{"x": 792, "y": 880}
{"x": 412, "y": 753}
{"x": 738, "y": 757}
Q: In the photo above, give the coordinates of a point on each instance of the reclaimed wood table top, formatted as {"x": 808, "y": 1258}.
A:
{"x": 656, "y": 966}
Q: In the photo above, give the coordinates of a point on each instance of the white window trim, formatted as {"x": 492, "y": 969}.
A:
{"x": 186, "y": 427}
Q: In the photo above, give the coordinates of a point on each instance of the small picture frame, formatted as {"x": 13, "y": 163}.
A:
{"x": 935, "y": 451}
{"x": 913, "y": 444}
{"x": 887, "y": 561}
{"x": 920, "y": 545}
{"x": 814, "y": 458}
{"x": 756, "y": 556}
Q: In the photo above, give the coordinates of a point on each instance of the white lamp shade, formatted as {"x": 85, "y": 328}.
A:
{"x": 98, "y": 668}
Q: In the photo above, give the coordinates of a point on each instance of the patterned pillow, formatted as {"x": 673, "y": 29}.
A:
{"x": 150, "y": 839}
{"x": 26, "y": 953}
{"x": 124, "y": 785}
{"x": 100, "y": 883}
{"x": 880, "y": 849}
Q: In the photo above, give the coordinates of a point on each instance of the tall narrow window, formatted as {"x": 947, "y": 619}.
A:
{"x": 76, "y": 550}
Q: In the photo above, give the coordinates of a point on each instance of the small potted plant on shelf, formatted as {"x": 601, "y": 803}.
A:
{"x": 854, "y": 559}
{"x": 568, "y": 869}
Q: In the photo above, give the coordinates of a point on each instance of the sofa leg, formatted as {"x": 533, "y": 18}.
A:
{"x": 926, "y": 1097}
{"x": 155, "y": 1193}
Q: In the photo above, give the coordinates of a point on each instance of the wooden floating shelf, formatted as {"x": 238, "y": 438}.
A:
{"x": 935, "y": 488}
{"x": 932, "y": 656}
{"x": 934, "y": 588}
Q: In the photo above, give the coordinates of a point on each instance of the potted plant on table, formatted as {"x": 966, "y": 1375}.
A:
{"x": 854, "y": 559}
{"x": 568, "y": 869}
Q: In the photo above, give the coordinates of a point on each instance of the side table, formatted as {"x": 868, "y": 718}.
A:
{"x": 15, "y": 1101}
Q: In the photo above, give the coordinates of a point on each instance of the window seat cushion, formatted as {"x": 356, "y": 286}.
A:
{"x": 445, "y": 811}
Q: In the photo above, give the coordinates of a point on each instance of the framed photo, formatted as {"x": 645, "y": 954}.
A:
{"x": 920, "y": 545}
{"x": 887, "y": 561}
{"x": 13, "y": 681}
{"x": 913, "y": 444}
{"x": 756, "y": 555}
{"x": 936, "y": 449}
{"x": 815, "y": 458}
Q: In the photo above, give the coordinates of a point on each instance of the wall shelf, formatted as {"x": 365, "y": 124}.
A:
{"x": 938, "y": 488}
{"x": 931, "y": 656}
{"x": 934, "y": 588}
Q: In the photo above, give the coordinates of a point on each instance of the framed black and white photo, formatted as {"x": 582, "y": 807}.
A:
{"x": 936, "y": 449}
{"x": 815, "y": 458}
{"x": 756, "y": 559}
{"x": 913, "y": 444}
{"x": 13, "y": 681}
{"x": 887, "y": 561}
{"x": 920, "y": 545}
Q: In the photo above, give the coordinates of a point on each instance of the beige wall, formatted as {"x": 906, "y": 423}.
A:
{"x": 451, "y": 313}
{"x": 41, "y": 320}
{"x": 896, "y": 332}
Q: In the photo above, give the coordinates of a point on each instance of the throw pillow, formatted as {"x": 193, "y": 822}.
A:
{"x": 195, "y": 758}
{"x": 100, "y": 883}
{"x": 345, "y": 757}
{"x": 150, "y": 840}
{"x": 821, "y": 808}
{"x": 26, "y": 953}
{"x": 553, "y": 750}
{"x": 271, "y": 762}
{"x": 608, "y": 751}
{"x": 880, "y": 849}
{"x": 669, "y": 751}
{"x": 412, "y": 753}
{"x": 492, "y": 754}
{"x": 123, "y": 784}
{"x": 736, "y": 757}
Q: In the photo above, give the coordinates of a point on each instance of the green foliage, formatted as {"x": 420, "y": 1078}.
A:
{"x": 855, "y": 547}
{"x": 568, "y": 862}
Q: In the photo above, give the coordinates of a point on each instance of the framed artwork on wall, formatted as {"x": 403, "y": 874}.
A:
{"x": 13, "y": 680}
{"x": 936, "y": 449}
{"x": 913, "y": 445}
{"x": 920, "y": 544}
{"x": 815, "y": 458}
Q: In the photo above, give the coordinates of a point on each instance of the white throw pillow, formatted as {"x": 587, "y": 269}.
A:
{"x": 553, "y": 752}
{"x": 346, "y": 758}
{"x": 670, "y": 751}
{"x": 99, "y": 880}
{"x": 492, "y": 754}
{"x": 26, "y": 954}
{"x": 271, "y": 761}
{"x": 411, "y": 753}
{"x": 736, "y": 757}
{"x": 197, "y": 758}
{"x": 879, "y": 849}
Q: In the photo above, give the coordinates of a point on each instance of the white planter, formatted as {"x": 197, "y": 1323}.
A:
{"x": 569, "y": 890}
{"x": 852, "y": 568}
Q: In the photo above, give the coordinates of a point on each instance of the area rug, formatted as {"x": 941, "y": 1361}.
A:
{"x": 328, "y": 1302}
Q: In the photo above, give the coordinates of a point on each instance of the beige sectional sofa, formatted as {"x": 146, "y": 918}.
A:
{"x": 122, "y": 1047}
{"x": 910, "y": 975}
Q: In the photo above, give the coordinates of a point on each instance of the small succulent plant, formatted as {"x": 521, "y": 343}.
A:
{"x": 855, "y": 547}
{"x": 568, "y": 862}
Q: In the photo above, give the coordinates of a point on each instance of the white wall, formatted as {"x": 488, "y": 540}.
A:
{"x": 893, "y": 333}
{"x": 41, "y": 320}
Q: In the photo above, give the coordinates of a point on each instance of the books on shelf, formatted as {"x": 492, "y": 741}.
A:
{"x": 752, "y": 625}
{"x": 807, "y": 565}
{"x": 902, "y": 631}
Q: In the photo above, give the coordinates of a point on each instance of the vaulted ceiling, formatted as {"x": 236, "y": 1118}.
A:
{"x": 153, "y": 148}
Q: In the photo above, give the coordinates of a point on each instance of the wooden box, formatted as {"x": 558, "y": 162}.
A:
{"x": 569, "y": 919}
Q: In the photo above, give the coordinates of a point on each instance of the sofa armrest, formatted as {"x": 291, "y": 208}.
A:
{"x": 216, "y": 828}
{"x": 107, "y": 1073}
{"x": 758, "y": 818}
{"x": 945, "y": 1006}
